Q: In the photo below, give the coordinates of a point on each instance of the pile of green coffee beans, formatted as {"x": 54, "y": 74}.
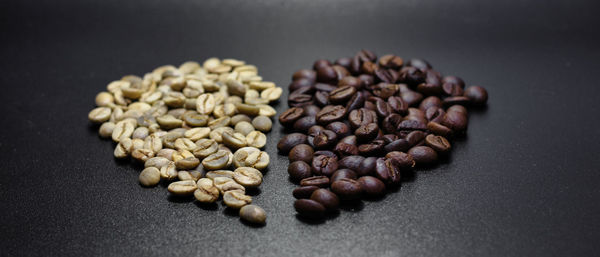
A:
{"x": 198, "y": 127}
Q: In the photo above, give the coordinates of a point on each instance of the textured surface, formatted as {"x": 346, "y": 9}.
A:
{"x": 524, "y": 183}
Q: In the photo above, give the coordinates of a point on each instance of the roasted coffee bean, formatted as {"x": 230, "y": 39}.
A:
{"x": 387, "y": 171}
{"x": 319, "y": 181}
{"x": 321, "y": 63}
{"x": 321, "y": 98}
{"x": 329, "y": 200}
{"x": 439, "y": 129}
{"x": 434, "y": 114}
{"x": 455, "y": 120}
{"x": 372, "y": 186}
{"x": 357, "y": 101}
{"x": 301, "y": 152}
{"x": 423, "y": 155}
{"x": 412, "y": 76}
{"x": 287, "y": 142}
{"x": 304, "y": 192}
{"x": 341, "y": 72}
{"x": 382, "y": 108}
{"x": 410, "y": 125}
{"x": 431, "y": 101}
{"x": 253, "y": 214}
{"x": 368, "y": 67}
{"x": 419, "y": 64}
{"x": 373, "y": 148}
{"x": 325, "y": 139}
{"x": 351, "y": 162}
{"x": 305, "y": 74}
{"x": 330, "y": 114}
{"x": 391, "y": 61}
{"x": 453, "y": 80}
{"x": 367, "y": 166}
{"x": 343, "y": 173}
{"x": 297, "y": 100}
{"x": 327, "y": 88}
{"x": 326, "y": 153}
{"x": 344, "y": 62}
{"x": 351, "y": 140}
{"x": 339, "y": 128}
{"x": 397, "y": 145}
{"x": 402, "y": 160}
{"x": 309, "y": 208}
{"x": 350, "y": 81}
{"x": 415, "y": 137}
{"x": 386, "y": 75}
{"x": 327, "y": 74}
{"x": 398, "y": 105}
{"x": 438, "y": 143}
{"x": 342, "y": 94}
{"x": 344, "y": 149}
{"x": 304, "y": 123}
{"x": 361, "y": 117}
{"x": 301, "y": 83}
{"x": 477, "y": 95}
{"x": 311, "y": 110}
{"x": 324, "y": 165}
{"x": 452, "y": 89}
{"x": 290, "y": 116}
{"x": 367, "y": 132}
{"x": 347, "y": 189}
{"x": 456, "y": 100}
{"x": 299, "y": 170}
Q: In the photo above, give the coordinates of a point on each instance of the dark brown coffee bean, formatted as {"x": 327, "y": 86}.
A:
{"x": 367, "y": 80}
{"x": 319, "y": 181}
{"x": 384, "y": 90}
{"x": 344, "y": 61}
{"x": 351, "y": 162}
{"x": 351, "y": 140}
{"x": 327, "y": 74}
{"x": 330, "y": 114}
{"x": 357, "y": 101}
{"x": 429, "y": 88}
{"x": 434, "y": 114}
{"x": 304, "y": 123}
{"x": 324, "y": 165}
{"x": 329, "y": 200}
{"x": 299, "y": 170}
{"x": 458, "y": 108}
{"x": 386, "y": 75}
{"x": 382, "y": 108}
{"x": 452, "y": 89}
{"x": 411, "y": 76}
{"x": 341, "y": 95}
{"x": 415, "y": 137}
{"x": 423, "y": 155}
{"x": 339, "y": 128}
{"x": 347, "y": 189}
{"x": 453, "y": 80}
{"x": 411, "y": 98}
{"x": 431, "y": 101}
{"x": 371, "y": 149}
{"x": 388, "y": 138}
{"x": 287, "y": 142}
{"x": 456, "y": 100}
{"x": 305, "y": 84}
{"x": 391, "y": 122}
{"x": 366, "y": 133}
{"x": 361, "y": 117}
{"x": 419, "y": 64}
{"x": 343, "y": 173}
{"x": 366, "y": 167}
{"x": 304, "y": 192}
{"x": 321, "y": 98}
{"x": 368, "y": 67}
{"x": 311, "y": 110}
{"x": 301, "y": 152}
{"x": 439, "y": 129}
{"x": 325, "y": 139}
{"x": 297, "y": 100}
{"x": 325, "y": 87}
{"x": 309, "y": 208}
{"x": 372, "y": 186}
{"x": 397, "y": 145}
{"x": 305, "y": 74}
{"x": 341, "y": 72}
{"x": 402, "y": 160}
{"x": 321, "y": 63}
{"x": 326, "y": 153}
{"x": 438, "y": 143}
{"x": 350, "y": 81}
{"x": 410, "y": 125}
{"x": 289, "y": 116}
{"x": 344, "y": 149}
{"x": 456, "y": 121}
{"x": 387, "y": 171}
{"x": 355, "y": 65}
{"x": 366, "y": 55}
{"x": 478, "y": 95}
{"x": 398, "y": 105}
{"x": 391, "y": 61}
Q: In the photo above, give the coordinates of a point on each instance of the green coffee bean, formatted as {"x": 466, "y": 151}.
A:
{"x": 247, "y": 109}
{"x": 146, "y": 120}
{"x": 123, "y": 148}
{"x": 168, "y": 121}
{"x": 153, "y": 142}
{"x": 225, "y": 184}
{"x": 169, "y": 171}
{"x": 234, "y": 99}
{"x": 195, "y": 119}
{"x": 236, "y": 199}
{"x": 205, "y": 104}
{"x": 247, "y": 177}
{"x": 206, "y": 191}
{"x": 234, "y": 140}
{"x": 250, "y": 94}
{"x": 177, "y": 113}
{"x": 262, "y": 123}
{"x": 106, "y": 129}
{"x": 271, "y": 94}
{"x": 157, "y": 162}
{"x": 123, "y": 129}
{"x": 250, "y": 157}
{"x": 181, "y": 154}
{"x": 216, "y": 160}
{"x": 256, "y": 139}
{"x": 104, "y": 99}
{"x": 266, "y": 110}
{"x": 261, "y": 85}
{"x": 187, "y": 163}
{"x": 140, "y": 132}
{"x": 137, "y": 144}
{"x": 169, "y": 139}
{"x": 182, "y": 188}
{"x": 205, "y": 147}
{"x": 219, "y": 173}
{"x": 220, "y": 122}
{"x": 217, "y": 134}
{"x": 142, "y": 155}
{"x": 239, "y": 118}
{"x": 196, "y": 134}
{"x": 253, "y": 214}
{"x": 100, "y": 114}
{"x": 149, "y": 177}
{"x": 185, "y": 144}
{"x": 166, "y": 153}
{"x": 244, "y": 128}
{"x": 256, "y": 101}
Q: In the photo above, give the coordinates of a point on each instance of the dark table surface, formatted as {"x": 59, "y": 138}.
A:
{"x": 524, "y": 183}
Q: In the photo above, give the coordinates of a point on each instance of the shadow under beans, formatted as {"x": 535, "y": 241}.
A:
{"x": 180, "y": 199}
{"x": 310, "y": 220}
{"x": 352, "y": 206}
{"x": 207, "y": 206}
{"x": 230, "y": 212}
{"x": 252, "y": 225}
{"x": 253, "y": 191}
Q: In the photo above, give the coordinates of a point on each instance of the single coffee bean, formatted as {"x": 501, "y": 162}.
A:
{"x": 324, "y": 165}
{"x": 347, "y": 189}
{"x": 351, "y": 162}
{"x": 343, "y": 173}
{"x": 453, "y": 80}
{"x": 305, "y": 74}
{"x": 206, "y": 191}
{"x": 356, "y": 101}
{"x": 430, "y": 101}
{"x": 401, "y": 160}
{"x": 304, "y": 192}
{"x": 301, "y": 152}
{"x": 195, "y": 119}
{"x": 304, "y": 123}
{"x": 361, "y": 117}
{"x": 330, "y": 114}
{"x": 299, "y": 170}
{"x": 321, "y": 63}
{"x": 327, "y": 74}
{"x": 438, "y": 143}
{"x": 366, "y": 167}
{"x": 329, "y": 200}
{"x": 256, "y": 139}
{"x": 247, "y": 177}
{"x": 456, "y": 121}
{"x": 391, "y": 61}
{"x": 236, "y": 199}
{"x": 216, "y": 160}
{"x": 243, "y": 127}
{"x": 344, "y": 149}
{"x": 319, "y": 181}
{"x": 253, "y": 214}
{"x": 373, "y": 148}
{"x": 434, "y": 114}
{"x": 287, "y": 142}
{"x": 423, "y": 155}
{"x": 351, "y": 140}
{"x": 106, "y": 129}
{"x": 367, "y": 132}
{"x": 239, "y": 118}
{"x": 387, "y": 171}
{"x": 350, "y": 81}
{"x": 344, "y": 62}
{"x": 419, "y": 64}
{"x": 339, "y": 128}
{"x": 477, "y": 95}
{"x": 251, "y": 157}
{"x": 309, "y": 208}
{"x": 187, "y": 163}
{"x": 341, "y": 95}
{"x": 321, "y": 98}
{"x": 290, "y": 116}
{"x": 225, "y": 184}
{"x": 325, "y": 139}
{"x": 149, "y": 177}
{"x": 205, "y": 147}
{"x": 262, "y": 123}
{"x": 456, "y": 100}
{"x": 452, "y": 89}
{"x": 182, "y": 188}
{"x": 100, "y": 114}
{"x": 311, "y": 110}
{"x": 234, "y": 140}
{"x": 415, "y": 137}
{"x": 372, "y": 186}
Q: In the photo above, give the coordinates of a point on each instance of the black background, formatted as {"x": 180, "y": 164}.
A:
{"x": 524, "y": 183}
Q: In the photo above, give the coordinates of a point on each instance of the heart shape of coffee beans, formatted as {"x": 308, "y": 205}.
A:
{"x": 199, "y": 128}
{"x": 359, "y": 125}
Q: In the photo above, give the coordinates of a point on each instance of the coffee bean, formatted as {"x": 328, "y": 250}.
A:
{"x": 149, "y": 177}
{"x": 325, "y": 197}
{"x": 373, "y": 148}
{"x": 452, "y": 89}
{"x": 343, "y": 173}
{"x": 347, "y": 189}
{"x": 319, "y": 181}
{"x": 321, "y": 63}
{"x": 361, "y": 117}
{"x": 344, "y": 149}
{"x": 477, "y": 95}
{"x": 247, "y": 177}
{"x": 182, "y": 188}
{"x": 350, "y": 81}
{"x": 325, "y": 139}
{"x": 330, "y": 114}
{"x": 216, "y": 160}
{"x": 456, "y": 121}
{"x": 356, "y": 101}
{"x": 367, "y": 166}
{"x": 100, "y": 114}
{"x": 453, "y": 80}
{"x": 439, "y": 129}
{"x": 401, "y": 160}
{"x": 327, "y": 74}
{"x": 351, "y": 162}
{"x": 304, "y": 192}
{"x": 321, "y": 98}
{"x": 372, "y": 186}
{"x": 236, "y": 199}
{"x": 305, "y": 74}
{"x": 253, "y": 214}
{"x": 367, "y": 132}
{"x": 419, "y": 64}
{"x": 262, "y": 123}
{"x": 339, "y": 128}
{"x": 324, "y": 165}
{"x": 290, "y": 116}
{"x": 423, "y": 155}
{"x": 391, "y": 61}
{"x": 106, "y": 129}
{"x": 299, "y": 170}
{"x": 342, "y": 94}
{"x": 225, "y": 184}
{"x": 251, "y": 157}
{"x": 415, "y": 137}
{"x": 311, "y": 110}
{"x": 256, "y": 139}
{"x": 206, "y": 191}
{"x": 301, "y": 152}
{"x": 438, "y": 143}
{"x": 304, "y": 123}
{"x": 309, "y": 208}
{"x": 287, "y": 142}
{"x": 387, "y": 171}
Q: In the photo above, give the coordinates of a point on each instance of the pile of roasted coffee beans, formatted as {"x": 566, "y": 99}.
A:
{"x": 197, "y": 127}
{"x": 359, "y": 124}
